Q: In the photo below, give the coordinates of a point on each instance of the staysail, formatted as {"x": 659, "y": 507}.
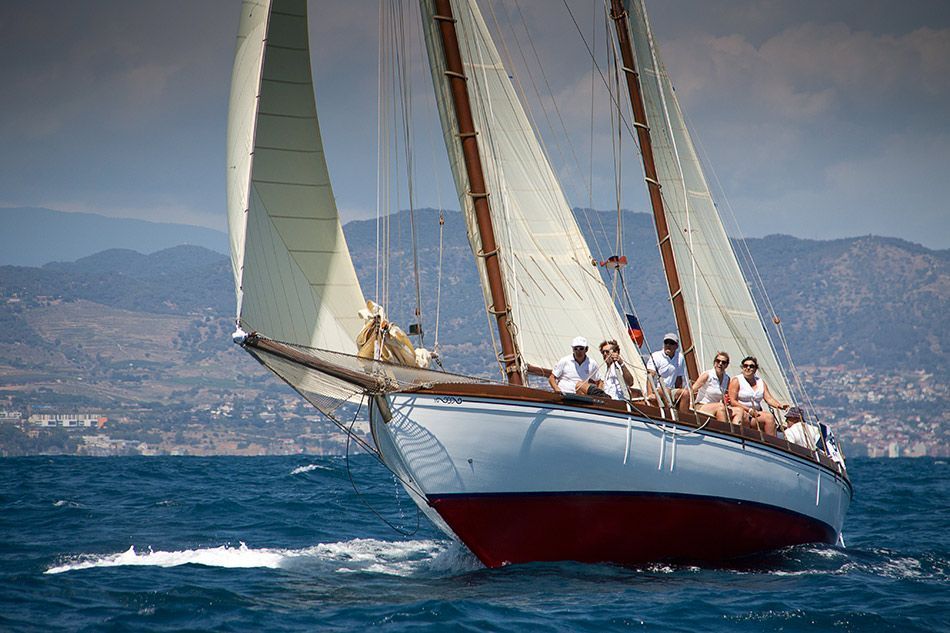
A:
{"x": 294, "y": 278}
{"x": 554, "y": 288}
{"x": 719, "y": 305}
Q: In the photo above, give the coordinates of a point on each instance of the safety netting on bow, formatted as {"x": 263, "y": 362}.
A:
{"x": 328, "y": 380}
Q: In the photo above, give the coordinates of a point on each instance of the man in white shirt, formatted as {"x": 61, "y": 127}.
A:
{"x": 670, "y": 366}
{"x": 577, "y": 373}
{"x": 798, "y": 432}
{"x": 618, "y": 381}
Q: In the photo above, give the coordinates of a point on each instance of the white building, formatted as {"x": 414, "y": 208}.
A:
{"x": 67, "y": 420}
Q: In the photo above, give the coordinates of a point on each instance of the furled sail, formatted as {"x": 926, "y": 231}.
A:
{"x": 719, "y": 305}
{"x": 294, "y": 278}
{"x": 554, "y": 290}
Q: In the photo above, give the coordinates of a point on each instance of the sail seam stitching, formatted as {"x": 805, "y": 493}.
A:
{"x": 289, "y": 184}
{"x": 288, "y": 48}
{"x": 286, "y": 116}
{"x": 287, "y": 149}
{"x": 286, "y": 81}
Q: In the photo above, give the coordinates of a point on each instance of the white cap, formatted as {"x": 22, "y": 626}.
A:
{"x": 671, "y": 336}
{"x": 579, "y": 341}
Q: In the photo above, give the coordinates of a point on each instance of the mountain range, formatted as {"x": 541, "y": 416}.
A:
{"x": 34, "y": 236}
{"x": 864, "y": 302}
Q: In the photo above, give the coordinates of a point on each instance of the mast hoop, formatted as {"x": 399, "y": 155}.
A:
{"x": 475, "y": 194}
{"x": 465, "y": 135}
{"x": 455, "y": 75}
{"x": 482, "y": 253}
{"x": 444, "y": 18}
{"x": 642, "y": 126}
{"x": 652, "y": 181}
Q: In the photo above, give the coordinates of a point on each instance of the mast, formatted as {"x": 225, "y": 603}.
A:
{"x": 619, "y": 15}
{"x": 468, "y": 137}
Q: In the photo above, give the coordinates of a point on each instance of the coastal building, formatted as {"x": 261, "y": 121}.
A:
{"x": 68, "y": 420}
{"x": 10, "y": 417}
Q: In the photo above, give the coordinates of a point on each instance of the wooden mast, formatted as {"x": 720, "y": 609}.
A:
{"x": 619, "y": 15}
{"x": 468, "y": 137}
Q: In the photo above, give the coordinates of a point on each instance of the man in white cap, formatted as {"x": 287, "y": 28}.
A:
{"x": 577, "y": 373}
{"x": 670, "y": 366}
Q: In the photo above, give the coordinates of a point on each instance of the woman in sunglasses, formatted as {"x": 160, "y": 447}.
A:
{"x": 711, "y": 387}
{"x": 746, "y": 393}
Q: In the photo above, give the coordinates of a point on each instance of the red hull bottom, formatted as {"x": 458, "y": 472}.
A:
{"x": 625, "y": 529}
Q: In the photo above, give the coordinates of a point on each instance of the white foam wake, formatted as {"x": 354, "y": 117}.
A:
{"x": 224, "y": 556}
{"x": 299, "y": 470}
{"x": 401, "y": 558}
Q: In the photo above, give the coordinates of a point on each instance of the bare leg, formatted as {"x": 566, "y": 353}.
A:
{"x": 767, "y": 420}
{"x": 713, "y": 410}
{"x": 681, "y": 398}
{"x": 738, "y": 415}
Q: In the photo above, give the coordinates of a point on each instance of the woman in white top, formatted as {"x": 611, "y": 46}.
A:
{"x": 711, "y": 387}
{"x": 746, "y": 393}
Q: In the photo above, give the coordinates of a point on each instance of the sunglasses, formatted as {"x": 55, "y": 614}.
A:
{"x": 721, "y": 362}
{"x": 579, "y": 347}
{"x": 750, "y": 366}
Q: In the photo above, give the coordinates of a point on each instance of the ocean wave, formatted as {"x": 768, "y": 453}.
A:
{"x": 397, "y": 558}
{"x": 224, "y": 556}
{"x": 66, "y": 503}
{"x": 890, "y": 566}
{"x": 308, "y": 468}
{"x": 400, "y": 558}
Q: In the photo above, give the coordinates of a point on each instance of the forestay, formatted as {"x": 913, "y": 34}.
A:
{"x": 554, "y": 290}
{"x": 293, "y": 275}
{"x": 720, "y": 308}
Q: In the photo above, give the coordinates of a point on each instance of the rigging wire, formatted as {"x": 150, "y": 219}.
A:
{"x": 555, "y": 135}
{"x": 419, "y": 46}
{"x": 590, "y": 158}
{"x": 379, "y": 141}
{"x": 616, "y": 144}
{"x": 349, "y": 474}
{"x": 405, "y": 93}
{"x": 438, "y": 289}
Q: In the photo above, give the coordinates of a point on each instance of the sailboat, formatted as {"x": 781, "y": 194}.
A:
{"x": 514, "y": 472}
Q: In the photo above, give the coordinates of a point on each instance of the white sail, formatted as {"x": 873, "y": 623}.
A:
{"x": 554, "y": 289}
{"x": 293, "y": 274}
{"x": 722, "y": 315}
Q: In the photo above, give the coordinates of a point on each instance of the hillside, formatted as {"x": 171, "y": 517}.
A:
{"x": 866, "y": 302}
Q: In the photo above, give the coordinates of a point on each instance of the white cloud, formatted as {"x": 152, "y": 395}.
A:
{"x": 900, "y": 190}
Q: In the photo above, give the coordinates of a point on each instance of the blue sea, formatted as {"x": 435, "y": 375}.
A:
{"x": 325, "y": 543}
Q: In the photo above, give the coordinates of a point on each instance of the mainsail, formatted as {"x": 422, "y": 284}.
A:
{"x": 720, "y": 308}
{"x": 554, "y": 288}
{"x": 294, "y": 278}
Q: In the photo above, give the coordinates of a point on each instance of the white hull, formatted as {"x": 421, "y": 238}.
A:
{"x": 464, "y": 456}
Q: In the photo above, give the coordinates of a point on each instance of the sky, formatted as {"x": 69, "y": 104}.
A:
{"x": 818, "y": 119}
